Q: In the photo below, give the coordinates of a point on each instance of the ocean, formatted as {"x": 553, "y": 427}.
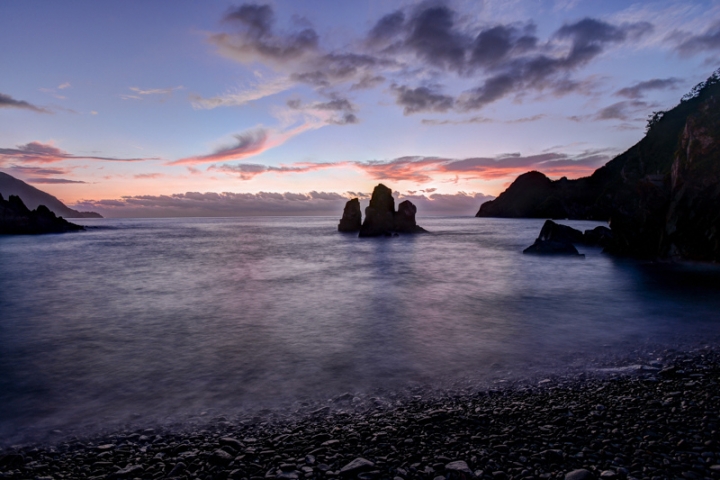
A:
{"x": 145, "y": 321}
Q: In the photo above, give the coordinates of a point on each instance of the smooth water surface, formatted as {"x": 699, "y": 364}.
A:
{"x": 160, "y": 318}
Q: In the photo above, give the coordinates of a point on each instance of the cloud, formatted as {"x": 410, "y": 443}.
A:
{"x": 622, "y": 110}
{"x": 638, "y": 90}
{"x": 247, "y": 144}
{"x": 210, "y": 204}
{"x": 421, "y": 99}
{"x": 427, "y": 169}
{"x": 46, "y": 180}
{"x": 248, "y": 171}
{"x": 241, "y": 97}
{"x": 709, "y": 40}
{"x": 6, "y": 101}
{"x": 63, "y": 86}
{"x": 139, "y": 93}
{"x": 37, "y": 152}
{"x": 141, "y": 176}
{"x": 481, "y": 119}
{"x": 342, "y": 111}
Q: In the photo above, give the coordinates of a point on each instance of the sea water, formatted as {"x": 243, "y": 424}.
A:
{"x": 151, "y": 320}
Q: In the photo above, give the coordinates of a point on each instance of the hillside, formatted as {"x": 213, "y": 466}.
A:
{"x": 33, "y": 198}
{"x": 661, "y": 196}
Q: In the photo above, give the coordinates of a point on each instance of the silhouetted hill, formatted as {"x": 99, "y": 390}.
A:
{"x": 661, "y": 197}
{"x": 33, "y": 198}
{"x": 17, "y": 219}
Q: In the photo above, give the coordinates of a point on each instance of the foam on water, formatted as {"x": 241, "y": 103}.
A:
{"x": 162, "y": 318}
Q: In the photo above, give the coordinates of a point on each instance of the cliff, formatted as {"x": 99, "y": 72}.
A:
{"x": 17, "y": 219}
{"x": 661, "y": 196}
{"x": 33, "y": 198}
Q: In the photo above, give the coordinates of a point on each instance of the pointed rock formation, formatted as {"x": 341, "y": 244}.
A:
{"x": 382, "y": 219}
{"x": 405, "y": 218}
{"x": 351, "y": 220}
{"x": 379, "y": 215}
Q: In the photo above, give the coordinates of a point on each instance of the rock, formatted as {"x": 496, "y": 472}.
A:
{"x": 356, "y": 466}
{"x": 231, "y": 442}
{"x": 17, "y": 219}
{"x": 221, "y": 457}
{"x": 556, "y": 239}
{"x": 555, "y": 232}
{"x": 580, "y": 474}
{"x": 351, "y": 220}
{"x": 601, "y": 236}
{"x": 404, "y": 218}
{"x": 130, "y": 471}
{"x": 11, "y": 461}
{"x": 660, "y": 196}
{"x": 381, "y": 219}
{"x": 459, "y": 469}
{"x": 548, "y": 247}
{"x": 379, "y": 215}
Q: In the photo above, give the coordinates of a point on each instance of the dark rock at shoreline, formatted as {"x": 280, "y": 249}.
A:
{"x": 351, "y": 220}
{"x": 17, "y": 219}
{"x": 381, "y": 219}
{"x": 661, "y": 196}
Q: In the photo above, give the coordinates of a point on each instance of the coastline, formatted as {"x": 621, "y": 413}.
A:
{"x": 656, "y": 421}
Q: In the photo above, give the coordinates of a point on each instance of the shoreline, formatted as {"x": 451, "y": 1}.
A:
{"x": 660, "y": 421}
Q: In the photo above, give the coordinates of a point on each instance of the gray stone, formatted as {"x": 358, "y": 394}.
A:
{"x": 356, "y": 466}
{"x": 580, "y": 474}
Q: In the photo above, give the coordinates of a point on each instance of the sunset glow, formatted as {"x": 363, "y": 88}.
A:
{"x": 129, "y": 103}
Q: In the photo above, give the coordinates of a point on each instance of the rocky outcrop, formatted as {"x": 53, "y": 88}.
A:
{"x": 404, "y": 218}
{"x": 351, "y": 220}
{"x": 555, "y": 238}
{"x": 692, "y": 223}
{"x": 16, "y": 218}
{"x": 381, "y": 219}
{"x": 660, "y": 197}
{"x": 33, "y": 198}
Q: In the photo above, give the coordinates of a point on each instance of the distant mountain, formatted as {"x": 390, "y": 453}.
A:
{"x": 32, "y": 198}
{"x": 661, "y": 197}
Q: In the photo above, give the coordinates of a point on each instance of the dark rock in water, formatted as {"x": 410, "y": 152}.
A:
{"x": 379, "y": 215}
{"x": 560, "y": 233}
{"x": 351, "y": 220}
{"x": 381, "y": 219}
{"x": 405, "y": 218}
{"x": 601, "y": 236}
{"x": 16, "y": 219}
{"x": 556, "y": 239}
{"x": 550, "y": 247}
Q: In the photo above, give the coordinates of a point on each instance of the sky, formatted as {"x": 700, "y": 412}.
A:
{"x": 137, "y": 108}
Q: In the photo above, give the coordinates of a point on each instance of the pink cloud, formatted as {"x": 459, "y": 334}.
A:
{"x": 37, "y": 152}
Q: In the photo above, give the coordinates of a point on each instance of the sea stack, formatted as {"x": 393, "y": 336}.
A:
{"x": 351, "y": 220}
{"x": 381, "y": 219}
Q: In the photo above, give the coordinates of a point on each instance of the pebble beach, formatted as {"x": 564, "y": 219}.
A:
{"x": 646, "y": 421}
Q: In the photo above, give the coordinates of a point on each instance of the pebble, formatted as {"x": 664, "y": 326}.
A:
{"x": 624, "y": 425}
